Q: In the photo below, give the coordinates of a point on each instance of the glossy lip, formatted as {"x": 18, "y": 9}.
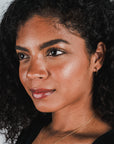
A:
{"x": 41, "y": 93}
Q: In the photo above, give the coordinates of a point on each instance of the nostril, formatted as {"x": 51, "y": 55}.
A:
{"x": 35, "y": 75}
{"x": 37, "y": 70}
{"x": 40, "y": 77}
{"x": 40, "y": 74}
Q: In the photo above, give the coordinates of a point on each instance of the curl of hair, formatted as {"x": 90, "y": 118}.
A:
{"x": 94, "y": 20}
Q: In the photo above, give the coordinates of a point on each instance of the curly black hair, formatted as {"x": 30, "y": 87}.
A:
{"x": 93, "y": 19}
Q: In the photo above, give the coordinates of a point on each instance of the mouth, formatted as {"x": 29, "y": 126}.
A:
{"x": 41, "y": 93}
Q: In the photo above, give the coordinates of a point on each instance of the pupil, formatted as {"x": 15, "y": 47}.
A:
{"x": 54, "y": 52}
{"x": 21, "y": 56}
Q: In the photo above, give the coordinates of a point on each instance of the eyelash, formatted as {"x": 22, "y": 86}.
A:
{"x": 22, "y": 56}
{"x": 52, "y": 52}
{"x": 55, "y": 50}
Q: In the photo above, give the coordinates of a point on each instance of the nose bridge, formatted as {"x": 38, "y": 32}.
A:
{"x": 37, "y": 69}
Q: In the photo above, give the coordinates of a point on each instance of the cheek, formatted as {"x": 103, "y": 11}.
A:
{"x": 22, "y": 75}
{"x": 72, "y": 77}
{"x": 69, "y": 70}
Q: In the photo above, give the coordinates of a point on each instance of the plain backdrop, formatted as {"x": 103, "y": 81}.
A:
{"x": 3, "y": 6}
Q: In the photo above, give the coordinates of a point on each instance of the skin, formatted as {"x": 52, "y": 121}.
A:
{"x": 69, "y": 72}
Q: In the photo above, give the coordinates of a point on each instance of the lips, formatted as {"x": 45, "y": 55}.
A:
{"x": 41, "y": 93}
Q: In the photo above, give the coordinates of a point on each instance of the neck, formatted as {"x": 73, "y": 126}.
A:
{"x": 71, "y": 117}
{"x": 77, "y": 115}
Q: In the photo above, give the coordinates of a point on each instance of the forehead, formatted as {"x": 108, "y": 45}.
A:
{"x": 44, "y": 25}
{"x": 38, "y": 30}
{"x": 41, "y": 24}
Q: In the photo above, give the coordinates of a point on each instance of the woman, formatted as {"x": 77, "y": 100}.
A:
{"x": 65, "y": 52}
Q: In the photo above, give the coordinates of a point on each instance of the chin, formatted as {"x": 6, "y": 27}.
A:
{"x": 44, "y": 109}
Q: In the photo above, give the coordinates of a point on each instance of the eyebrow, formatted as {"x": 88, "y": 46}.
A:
{"x": 52, "y": 42}
{"x": 21, "y": 48}
{"x": 45, "y": 44}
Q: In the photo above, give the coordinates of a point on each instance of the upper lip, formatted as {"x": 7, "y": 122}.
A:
{"x": 41, "y": 90}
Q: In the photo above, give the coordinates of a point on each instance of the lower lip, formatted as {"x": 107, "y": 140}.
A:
{"x": 41, "y": 95}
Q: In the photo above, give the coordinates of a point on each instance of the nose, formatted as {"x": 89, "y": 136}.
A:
{"x": 37, "y": 70}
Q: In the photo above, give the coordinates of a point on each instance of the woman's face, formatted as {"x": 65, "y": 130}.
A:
{"x": 55, "y": 68}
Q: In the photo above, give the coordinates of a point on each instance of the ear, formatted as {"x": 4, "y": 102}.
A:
{"x": 98, "y": 56}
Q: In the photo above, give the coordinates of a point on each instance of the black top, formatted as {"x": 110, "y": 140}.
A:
{"x": 29, "y": 134}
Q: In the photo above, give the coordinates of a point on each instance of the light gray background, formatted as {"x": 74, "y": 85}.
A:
{"x": 3, "y": 6}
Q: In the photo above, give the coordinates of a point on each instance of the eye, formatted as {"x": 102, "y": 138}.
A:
{"x": 22, "y": 56}
{"x": 55, "y": 52}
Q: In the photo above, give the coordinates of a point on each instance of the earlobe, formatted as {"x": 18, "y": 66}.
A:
{"x": 99, "y": 56}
